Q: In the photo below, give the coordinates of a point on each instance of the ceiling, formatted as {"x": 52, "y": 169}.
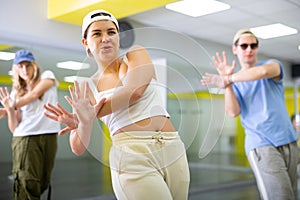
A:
{"x": 216, "y": 28}
{"x": 221, "y": 27}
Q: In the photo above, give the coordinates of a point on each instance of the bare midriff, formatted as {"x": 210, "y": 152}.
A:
{"x": 156, "y": 124}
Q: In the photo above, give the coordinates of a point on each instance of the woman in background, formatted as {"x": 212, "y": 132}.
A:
{"x": 34, "y": 142}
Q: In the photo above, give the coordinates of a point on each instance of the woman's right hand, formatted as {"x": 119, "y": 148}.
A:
{"x": 6, "y": 100}
{"x": 59, "y": 114}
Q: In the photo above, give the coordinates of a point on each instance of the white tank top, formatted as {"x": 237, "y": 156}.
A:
{"x": 149, "y": 105}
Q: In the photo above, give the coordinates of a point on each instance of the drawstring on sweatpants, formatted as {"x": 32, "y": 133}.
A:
{"x": 158, "y": 138}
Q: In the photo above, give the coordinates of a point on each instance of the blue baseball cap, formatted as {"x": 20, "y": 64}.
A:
{"x": 23, "y": 55}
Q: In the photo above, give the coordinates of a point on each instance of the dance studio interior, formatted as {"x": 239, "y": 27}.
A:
{"x": 181, "y": 46}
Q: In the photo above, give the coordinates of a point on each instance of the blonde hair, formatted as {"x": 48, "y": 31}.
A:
{"x": 241, "y": 33}
{"x": 20, "y": 85}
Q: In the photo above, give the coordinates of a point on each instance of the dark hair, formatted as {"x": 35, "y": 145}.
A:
{"x": 293, "y": 117}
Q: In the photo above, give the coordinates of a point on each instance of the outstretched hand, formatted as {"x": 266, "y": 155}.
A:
{"x": 61, "y": 115}
{"x": 212, "y": 79}
{"x": 224, "y": 70}
{"x": 221, "y": 64}
{"x": 5, "y": 98}
{"x": 80, "y": 102}
{"x": 84, "y": 111}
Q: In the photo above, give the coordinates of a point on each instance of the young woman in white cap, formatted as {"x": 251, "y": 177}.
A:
{"x": 148, "y": 158}
{"x": 256, "y": 93}
{"x": 34, "y": 142}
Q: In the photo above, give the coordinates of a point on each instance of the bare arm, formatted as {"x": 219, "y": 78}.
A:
{"x": 226, "y": 77}
{"x": 270, "y": 70}
{"x": 139, "y": 74}
{"x": 38, "y": 90}
{"x": 232, "y": 106}
{"x": 80, "y": 123}
{"x": 223, "y": 80}
{"x": 32, "y": 95}
{"x": 86, "y": 114}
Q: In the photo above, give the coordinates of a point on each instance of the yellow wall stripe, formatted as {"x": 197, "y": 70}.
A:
{"x": 6, "y": 80}
{"x": 4, "y": 46}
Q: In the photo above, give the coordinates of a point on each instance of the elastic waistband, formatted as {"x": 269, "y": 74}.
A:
{"x": 144, "y": 135}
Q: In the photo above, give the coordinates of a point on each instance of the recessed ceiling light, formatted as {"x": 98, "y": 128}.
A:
{"x": 6, "y": 55}
{"x": 73, "y": 65}
{"x": 196, "y": 8}
{"x": 299, "y": 47}
{"x": 273, "y": 30}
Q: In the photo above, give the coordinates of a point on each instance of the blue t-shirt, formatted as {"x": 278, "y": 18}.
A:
{"x": 263, "y": 111}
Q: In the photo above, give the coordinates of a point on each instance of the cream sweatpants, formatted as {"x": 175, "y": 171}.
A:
{"x": 149, "y": 165}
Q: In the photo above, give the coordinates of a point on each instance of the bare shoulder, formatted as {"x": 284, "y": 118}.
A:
{"x": 136, "y": 47}
{"x": 136, "y": 50}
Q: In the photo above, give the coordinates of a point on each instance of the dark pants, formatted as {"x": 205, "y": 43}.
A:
{"x": 33, "y": 161}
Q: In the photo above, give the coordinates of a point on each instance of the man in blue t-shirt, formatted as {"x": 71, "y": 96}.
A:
{"x": 256, "y": 93}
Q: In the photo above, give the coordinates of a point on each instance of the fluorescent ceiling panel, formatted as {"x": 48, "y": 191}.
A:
{"x": 72, "y": 65}
{"x": 70, "y": 79}
{"x": 273, "y": 31}
{"x": 6, "y": 55}
{"x": 196, "y": 8}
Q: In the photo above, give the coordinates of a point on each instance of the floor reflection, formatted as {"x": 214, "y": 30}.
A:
{"x": 215, "y": 177}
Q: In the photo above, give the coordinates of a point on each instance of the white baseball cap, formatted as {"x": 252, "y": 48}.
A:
{"x": 97, "y": 15}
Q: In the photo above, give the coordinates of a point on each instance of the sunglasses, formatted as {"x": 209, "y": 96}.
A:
{"x": 245, "y": 46}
